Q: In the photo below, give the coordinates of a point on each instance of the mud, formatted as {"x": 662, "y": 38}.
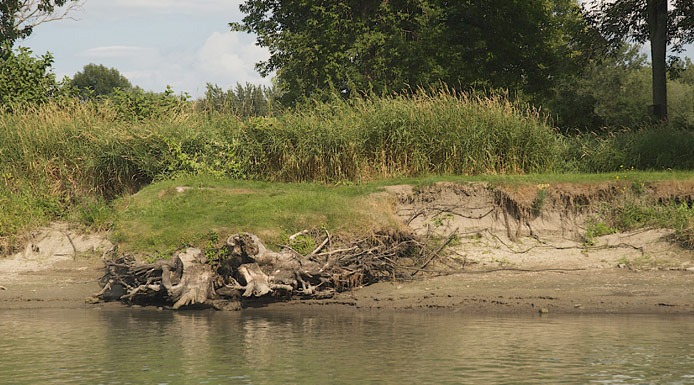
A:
{"x": 618, "y": 291}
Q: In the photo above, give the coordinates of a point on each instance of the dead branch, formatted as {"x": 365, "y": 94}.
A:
{"x": 438, "y": 250}
{"x": 31, "y": 13}
{"x": 248, "y": 269}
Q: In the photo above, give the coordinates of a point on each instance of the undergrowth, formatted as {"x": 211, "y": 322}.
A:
{"x": 68, "y": 159}
{"x": 631, "y": 214}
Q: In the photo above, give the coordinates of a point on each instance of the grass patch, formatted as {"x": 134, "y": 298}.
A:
{"x": 171, "y": 214}
{"x": 631, "y": 214}
{"x": 594, "y": 229}
{"x": 639, "y": 177}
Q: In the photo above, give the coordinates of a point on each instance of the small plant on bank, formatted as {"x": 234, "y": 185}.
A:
{"x": 539, "y": 201}
{"x": 594, "y": 229}
{"x": 441, "y": 220}
{"x": 95, "y": 213}
{"x": 304, "y": 244}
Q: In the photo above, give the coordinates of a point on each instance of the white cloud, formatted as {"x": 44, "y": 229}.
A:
{"x": 222, "y": 59}
{"x": 228, "y": 59}
{"x": 116, "y": 51}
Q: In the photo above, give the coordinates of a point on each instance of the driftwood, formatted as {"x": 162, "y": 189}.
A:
{"x": 244, "y": 268}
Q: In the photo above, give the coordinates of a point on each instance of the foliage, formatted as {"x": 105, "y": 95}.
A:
{"x": 136, "y": 104}
{"x": 380, "y": 46}
{"x": 67, "y": 158}
{"x": 98, "y": 80}
{"x": 628, "y": 19}
{"x": 651, "y": 148}
{"x": 615, "y": 92}
{"x": 594, "y": 229}
{"x": 243, "y": 101}
{"x": 648, "y": 21}
{"x": 26, "y": 80}
{"x": 612, "y": 92}
{"x": 430, "y": 132}
{"x": 630, "y": 214}
{"x": 19, "y": 17}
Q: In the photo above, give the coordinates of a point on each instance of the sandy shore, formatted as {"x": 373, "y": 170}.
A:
{"x": 66, "y": 284}
{"x": 515, "y": 260}
{"x": 57, "y": 284}
{"x": 589, "y": 291}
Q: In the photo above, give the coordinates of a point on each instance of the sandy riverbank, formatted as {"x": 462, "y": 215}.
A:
{"x": 67, "y": 283}
{"x": 508, "y": 257}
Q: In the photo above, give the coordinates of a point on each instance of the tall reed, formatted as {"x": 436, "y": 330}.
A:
{"x": 57, "y": 156}
{"x": 376, "y": 137}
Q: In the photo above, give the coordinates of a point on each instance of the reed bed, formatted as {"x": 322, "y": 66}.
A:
{"x": 382, "y": 137}
{"x": 67, "y": 157}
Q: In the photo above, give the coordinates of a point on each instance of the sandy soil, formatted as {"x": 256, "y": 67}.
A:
{"x": 66, "y": 284}
{"x": 513, "y": 292}
{"x": 59, "y": 267}
{"x": 506, "y": 259}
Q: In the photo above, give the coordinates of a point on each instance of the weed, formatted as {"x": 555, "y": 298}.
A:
{"x": 501, "y": 261}
{"x": 441, "y": 220}
{"x": 596, "y": 229}
{"x": 623, "y": 261}
{"x": 539, "y": 201}
{"x": 303, "y": 244}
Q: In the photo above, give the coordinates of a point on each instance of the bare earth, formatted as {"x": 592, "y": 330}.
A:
{"x": 503, "y": 261}
{"x": 58, "y": 268}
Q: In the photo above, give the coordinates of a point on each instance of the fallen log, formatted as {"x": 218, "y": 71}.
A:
{"x": 244, "y": 268}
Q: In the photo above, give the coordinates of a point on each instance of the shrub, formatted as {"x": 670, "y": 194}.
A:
{"x": 27, "y": 80}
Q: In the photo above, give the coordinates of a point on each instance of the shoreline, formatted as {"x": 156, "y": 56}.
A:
{"x": 500, "y": 292}
{"x": 505, "y": 254}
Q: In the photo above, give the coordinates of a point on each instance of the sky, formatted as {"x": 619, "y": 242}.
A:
{"x": 154, "y": 43}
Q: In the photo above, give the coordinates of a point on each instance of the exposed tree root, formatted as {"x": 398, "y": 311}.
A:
{"x": 245, "y": 268}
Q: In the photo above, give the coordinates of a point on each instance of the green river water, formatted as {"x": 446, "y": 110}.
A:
{"x": 146, "y": 346}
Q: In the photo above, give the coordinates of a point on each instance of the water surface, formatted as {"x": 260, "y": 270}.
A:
{"x": 143, "y": 346}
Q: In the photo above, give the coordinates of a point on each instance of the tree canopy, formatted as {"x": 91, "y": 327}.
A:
{"x": 653, "y": 21}
{"x": 19, "y": 17}
{"x": 98, "y": 80}
{"x": 393, "y": 45}
{"x": 26, "y": 80}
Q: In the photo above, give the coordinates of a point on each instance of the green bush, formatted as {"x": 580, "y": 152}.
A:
{"x": 26, "y": 80}
{"x": 244, "y": 101}
{"x": 136, "y": 104}
{"x": 98, "y": 80}
{"x": 652, "y": 148}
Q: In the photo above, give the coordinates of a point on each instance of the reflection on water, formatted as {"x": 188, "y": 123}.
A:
{"x": 142, "y": 346}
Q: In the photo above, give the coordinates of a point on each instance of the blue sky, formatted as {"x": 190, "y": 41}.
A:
{"x": 155, "y": 43}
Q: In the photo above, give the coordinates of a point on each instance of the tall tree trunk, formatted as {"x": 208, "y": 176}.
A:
{"x": 657, "y": 24}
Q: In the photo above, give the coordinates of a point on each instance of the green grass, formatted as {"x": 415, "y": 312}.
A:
{"x": 159, "y": 218}
{"x": 174, "y": 213}
{"x": 569, "y": 177}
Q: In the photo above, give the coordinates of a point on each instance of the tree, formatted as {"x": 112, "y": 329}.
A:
{"x": 648, "y": 21}
{"x": 27, "y": 80}
{"x": 19, "y": 17}
{"x": 98, "y": 80}
{"x": 393, "y": 45}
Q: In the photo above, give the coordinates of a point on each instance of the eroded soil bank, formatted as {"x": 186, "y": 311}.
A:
{"x": 516, "y": 249}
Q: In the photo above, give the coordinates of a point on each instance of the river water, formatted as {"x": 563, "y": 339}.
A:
{"x": 146, "y": 346}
